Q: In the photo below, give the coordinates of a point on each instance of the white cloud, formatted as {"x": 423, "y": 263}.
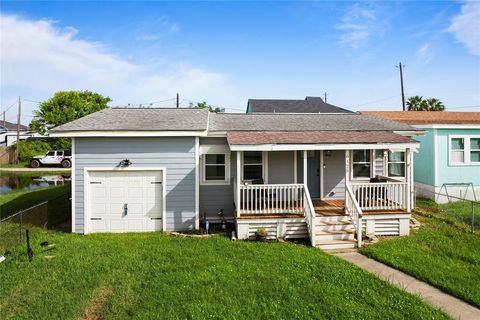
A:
{"x": 465, "y": 26}
{"x": 39, "y": 58}
{"x": 359, "y": 25}
{"x": 425, "y": 53}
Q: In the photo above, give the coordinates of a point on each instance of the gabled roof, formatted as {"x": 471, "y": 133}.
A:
{"x": 11, "y": 126}
{"x": 140, "y": 119}
{"x": 307, "y": 105}
{"x": 302, "y": 122}
{"x": 315, "y": 137}
{"x": 428, "y": 117}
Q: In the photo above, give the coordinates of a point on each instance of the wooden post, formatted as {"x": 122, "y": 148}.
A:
{"x": 408, "y": 177}
{"x": 239, "y": 182}
{"x": 347, "y": 167}
{"x": 305, "y": 163}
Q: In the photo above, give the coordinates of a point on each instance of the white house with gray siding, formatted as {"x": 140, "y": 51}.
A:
{"x": 320, "y": 176}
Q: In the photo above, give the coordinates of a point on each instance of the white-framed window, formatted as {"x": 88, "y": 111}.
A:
{"x": 361, "y": 164}
{"x": 464, "y": 150}
{"x": 253, "y": 166}
{"x": 396, "y": 164}
{"x": 215, "y": 165}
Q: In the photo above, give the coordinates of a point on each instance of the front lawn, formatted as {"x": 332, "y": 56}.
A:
{"x": 153, "y": 275}
{"x": 442, "y": 252}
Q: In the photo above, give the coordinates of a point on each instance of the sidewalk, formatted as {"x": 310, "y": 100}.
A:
{"x": 454, "y": 307}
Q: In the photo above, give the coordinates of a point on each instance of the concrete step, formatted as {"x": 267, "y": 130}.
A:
{"x": 334, "y": 236}
{"x": 336, "y": 244}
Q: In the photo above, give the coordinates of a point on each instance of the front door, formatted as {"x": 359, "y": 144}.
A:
{"x": 334, "y": 174}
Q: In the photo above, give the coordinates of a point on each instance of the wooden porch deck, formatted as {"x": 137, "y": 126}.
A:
{"x": 325, "y": 208}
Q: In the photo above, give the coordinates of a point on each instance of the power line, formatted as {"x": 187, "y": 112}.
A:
{"x": 13, "y": 104}
{"x": 374, "y": 101}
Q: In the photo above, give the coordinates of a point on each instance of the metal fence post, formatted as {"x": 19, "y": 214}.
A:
{"x": 473, "y": 216}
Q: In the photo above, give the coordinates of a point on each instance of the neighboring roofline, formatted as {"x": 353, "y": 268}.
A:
{"x": 128, "y": 133}
{"x": 446, "y": 126}
{"x": 333, "y": 146}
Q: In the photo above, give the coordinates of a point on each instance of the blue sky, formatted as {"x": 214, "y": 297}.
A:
{"x": 227, "y": 52}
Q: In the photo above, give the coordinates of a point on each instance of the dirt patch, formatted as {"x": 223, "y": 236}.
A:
{"x": 92, "y": 311}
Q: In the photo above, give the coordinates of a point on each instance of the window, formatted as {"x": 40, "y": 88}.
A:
{"x": 361, "y": 163}
{"x": 457, "y": 153}
{"x": 215, "y": 165}
{"x": 465, "y": 150}
{"x": 51, "y": 153}
{"x": 59, "y": 153}
{"x": 396, "y": 164}
{"x": 475, "y": 150}
{"x": 252, "y": 165}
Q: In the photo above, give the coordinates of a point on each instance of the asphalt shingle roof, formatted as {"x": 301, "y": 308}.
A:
{"x": 302, "y": 122}
{"x": 428, "y": 117}
{"x": 307, "y": 105}
{"x": 11, "y": 126}
{"x": 140, "y": 119}
{"x": 313, "y": 137}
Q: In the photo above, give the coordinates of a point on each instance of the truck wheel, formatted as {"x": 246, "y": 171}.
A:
{"x": 66, "y": 164}
{"x": 34, "y": 163}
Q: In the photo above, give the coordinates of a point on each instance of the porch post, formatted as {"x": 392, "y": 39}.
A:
{"x": 238, "y": 181}
{"x": 408, "y": 179}
{"x": 305, "y": 167}
{"x": 347, "y": 167}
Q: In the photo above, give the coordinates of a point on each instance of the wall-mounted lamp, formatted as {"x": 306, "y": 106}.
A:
{"x": 125, "y": 163}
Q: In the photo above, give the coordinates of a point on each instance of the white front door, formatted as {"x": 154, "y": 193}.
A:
{"x": 125, "y": 201}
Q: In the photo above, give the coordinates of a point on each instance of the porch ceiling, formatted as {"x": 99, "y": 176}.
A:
{"x": 316, "y": 137}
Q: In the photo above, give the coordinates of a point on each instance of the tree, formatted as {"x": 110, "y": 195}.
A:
{"x": 417, "y": 103}
{"x": 204, "y": 105}
{"x": 66, "y": 106}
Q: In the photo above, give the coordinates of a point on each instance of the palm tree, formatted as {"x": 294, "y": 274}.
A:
{"x": 417, "y": 103}
{"x": 414, "y": 103}
{"x": 434, "y": 105}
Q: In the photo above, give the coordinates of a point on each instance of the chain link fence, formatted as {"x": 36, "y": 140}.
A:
{"x": 51, "y": 214}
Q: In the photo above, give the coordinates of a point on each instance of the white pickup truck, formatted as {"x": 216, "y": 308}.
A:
{"x": 52, "y": 158}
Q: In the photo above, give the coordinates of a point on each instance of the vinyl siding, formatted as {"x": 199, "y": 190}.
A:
{"x": 423, "y": 161}
{"x": 281, "y": 166}
{"x": 176, "y": 154}
{"x": 334, "y": 175}
{"x": 214, "y": 198}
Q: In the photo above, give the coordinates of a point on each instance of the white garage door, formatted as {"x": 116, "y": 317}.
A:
{"x": 125, "y": 201}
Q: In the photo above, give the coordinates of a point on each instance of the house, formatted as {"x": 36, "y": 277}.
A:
{"x": 448, "y": 162}
{"x": 8, "y": 133}
{"x": 307, "y": 105}
{"x": 318, "y": 176}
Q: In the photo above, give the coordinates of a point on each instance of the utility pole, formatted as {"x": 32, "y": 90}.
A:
{"x": 400, "y": 66}
{"x": 325, "y": 94}
{"x": 178, "y": 101}
{"x": 18, "y": 127}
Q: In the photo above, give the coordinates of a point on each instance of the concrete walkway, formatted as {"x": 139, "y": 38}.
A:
{"x": 454, "y": 307}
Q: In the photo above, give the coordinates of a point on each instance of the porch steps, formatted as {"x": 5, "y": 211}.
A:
{"x": 334, "y": 232}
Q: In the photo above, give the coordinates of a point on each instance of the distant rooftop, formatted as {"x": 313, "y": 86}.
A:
{"x": 428, "y": 117}
{"x": 307, "y": 105}
{"x": 10, "y": 126}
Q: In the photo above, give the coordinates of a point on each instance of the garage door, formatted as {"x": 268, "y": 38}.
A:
{"x": 125, "y": 201}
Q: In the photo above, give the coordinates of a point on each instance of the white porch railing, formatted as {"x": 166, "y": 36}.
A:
{"x": 380, "y": 195}
{"x": 309, "y": 215}
{"x": 270, "y": 199}
{"x": 352, "y": 208}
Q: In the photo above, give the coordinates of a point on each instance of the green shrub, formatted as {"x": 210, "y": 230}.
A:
{"x": 32, "y": 148}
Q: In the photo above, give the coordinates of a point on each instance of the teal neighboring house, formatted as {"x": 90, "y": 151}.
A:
{"x": 448, "y": 161}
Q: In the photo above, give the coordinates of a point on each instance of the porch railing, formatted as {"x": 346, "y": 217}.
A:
{"x": 309, "y": 215}
{"x": 353, "y": 209}
{"x": 380, "y": 195}
{"x": 271, "y": 199}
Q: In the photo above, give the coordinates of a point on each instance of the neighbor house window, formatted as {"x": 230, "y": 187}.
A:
{"x": 396, "y": 164}
{"x": 475, "y": 150}
{"x": 465, "y": 150}
{"x": 457, "y": 151}
{"x": 361, "y": 164}
{"x": 215, "y": 166}
{"x": 253, "y": 165}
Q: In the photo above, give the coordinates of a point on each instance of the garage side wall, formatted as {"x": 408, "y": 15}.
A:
{"x": 176, "y": 154}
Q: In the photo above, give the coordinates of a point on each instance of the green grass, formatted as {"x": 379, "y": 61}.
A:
{"x": 442, "y": 252}
{"x": 156, "y": 276}
{"x": 15, "y": 165}
{"x": 457, "y": 211}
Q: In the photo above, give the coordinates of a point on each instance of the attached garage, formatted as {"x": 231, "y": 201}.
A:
{"x": 125, "y": 200}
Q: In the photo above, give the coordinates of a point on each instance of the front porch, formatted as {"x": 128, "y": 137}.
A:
{"x": 343, "y": 204}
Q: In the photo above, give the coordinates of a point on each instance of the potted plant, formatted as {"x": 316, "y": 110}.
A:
{"x": 261, "y": 234}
